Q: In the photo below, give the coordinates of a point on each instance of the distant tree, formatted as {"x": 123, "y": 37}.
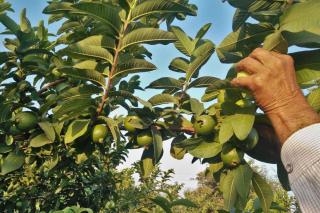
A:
{"x": 210, "y": 199}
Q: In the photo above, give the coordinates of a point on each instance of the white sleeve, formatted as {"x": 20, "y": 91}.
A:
{"x": 300, "y": 155}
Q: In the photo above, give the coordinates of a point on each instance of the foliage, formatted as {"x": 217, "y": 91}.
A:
{"x": 210, "y": 199}
{"x": 82, "y": 78}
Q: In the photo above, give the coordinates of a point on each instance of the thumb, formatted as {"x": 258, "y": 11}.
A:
{"x": 245, "y": 82}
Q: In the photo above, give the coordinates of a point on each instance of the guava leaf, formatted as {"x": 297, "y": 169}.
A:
{"x": 159, "y": 6}
{"x": 40, "y": 141}
{"x": 163, "y": 99}
{"x": 300, "y": 25}
{"x": 226, "y": 131}
{"x": 283, "y": 176}
{"x": 12, "y": 162}
{"x": 163, "y": 203}
{"x": 203, "y": 81}
{"x": 196, "y": 106}
{"x": 205, "y": 150}
{"x": 147, "y": 162}
{"x": 307, "y": 66}
{"x": 165, "y": 83}
{"x": 75, "y": 130}
{"x": 157, "y": 143}
{"x": 263, "y": 190}
{"x": 228, "y": 188}
{"x": 48, "y": 130}
{"x": 184, "y": 202}
{"x": 243, "y": 175}
{"x": 242, "y": 125}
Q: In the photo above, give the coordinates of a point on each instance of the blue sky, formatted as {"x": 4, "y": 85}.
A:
{"x": 210, "y": 11}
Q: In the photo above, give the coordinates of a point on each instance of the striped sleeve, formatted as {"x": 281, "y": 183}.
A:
{"x": 300, "y": 155}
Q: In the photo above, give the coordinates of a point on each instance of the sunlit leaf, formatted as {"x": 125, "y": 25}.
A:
{"x": 75, "y": 130}
{"x": 147, "y": 36}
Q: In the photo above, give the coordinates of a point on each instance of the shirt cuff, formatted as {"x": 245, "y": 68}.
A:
{"x": 301, "y": 151}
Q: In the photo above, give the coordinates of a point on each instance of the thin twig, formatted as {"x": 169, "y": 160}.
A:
{"x": 50, "y": 85}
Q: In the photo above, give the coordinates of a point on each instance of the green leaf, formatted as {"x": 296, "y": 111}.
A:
{"x": 243, "y": 176}
{"x": 5, "y": 109}
{"x": 239, "y": 18}
{"x": 205, "y": 150}
{"x": 25, "y": 24}
{"x": 256, "y": 5}
{"x": 300, "y": 25}
{"x": 5, "y": 6}
{"x": 276, "y": 42}
{"x": 201, "y": 33}
{"x": 226, "y": 130}
{"x": 9, "y": 23}
{"x": 163, "y": 203}
{"x": 201, "y": 55}
{"x": 283, "y": 176}
{"x": 179, "y": 65}
{"x": 184, "y": 44}
{"x": 114, "y": 128}
{"x": 105, "y": 13}
{"x": 263, "y": 190}
{"x": 239, "y": 44}
{"x": 203, "y": 81}
{"x": 134, "y": 66}
{"x": 4, "y": 148}
{"x": 157, "y": 144}
{"x": 184, "y": 202}
{"x": 219, "y": 85}
{"x": 228, "y": 188}
{"x": 148, "y": 36}
{"x": 69, "y": 26}
{"x": 196, "y": 106}
{"x": 48, "y": 130}
{"x": 79, "y": 91}
{"x": 129, "y": 95}
{"x": 101, "y": 41}
{"x": 40, "y": 141}
{"x": 58, "y": 7}
{"x": 159, "y": 6}
{"x": 147, "y": 162}
{"x": 242, "y": 125}
{"x": 12, "y": 162}
{"x": 90, "y": 75}
{"x": 307, "y": 66}
{"x": 5, "y": 56}
{"x": 163, "y": 99}
{"x": 189, "y": 143}
{"x": 165, "y": 83}
{"x": 87, "y": 52}
{"x": 314, "y": 99}
{"x": 75, "y": 130}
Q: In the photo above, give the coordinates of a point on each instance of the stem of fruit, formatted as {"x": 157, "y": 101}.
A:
{"x": 114, "y": 65}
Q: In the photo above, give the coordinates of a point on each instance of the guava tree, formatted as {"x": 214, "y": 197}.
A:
{"x": 62, "y": 136}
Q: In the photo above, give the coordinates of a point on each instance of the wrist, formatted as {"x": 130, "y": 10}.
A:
{"x": 292, "y": 117}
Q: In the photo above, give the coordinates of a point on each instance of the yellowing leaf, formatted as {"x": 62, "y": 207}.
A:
{"x": 75, "y": 130}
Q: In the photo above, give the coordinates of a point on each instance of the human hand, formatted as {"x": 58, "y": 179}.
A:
{"x": 272, "y": 81}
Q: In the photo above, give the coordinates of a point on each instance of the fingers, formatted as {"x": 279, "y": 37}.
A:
{"x": 250, "y": 65}
{"x": 246, "y": 82}
{"x": 264, "y": 56}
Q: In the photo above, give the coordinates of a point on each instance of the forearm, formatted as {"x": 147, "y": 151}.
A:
{"x": 292, "y": 117}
